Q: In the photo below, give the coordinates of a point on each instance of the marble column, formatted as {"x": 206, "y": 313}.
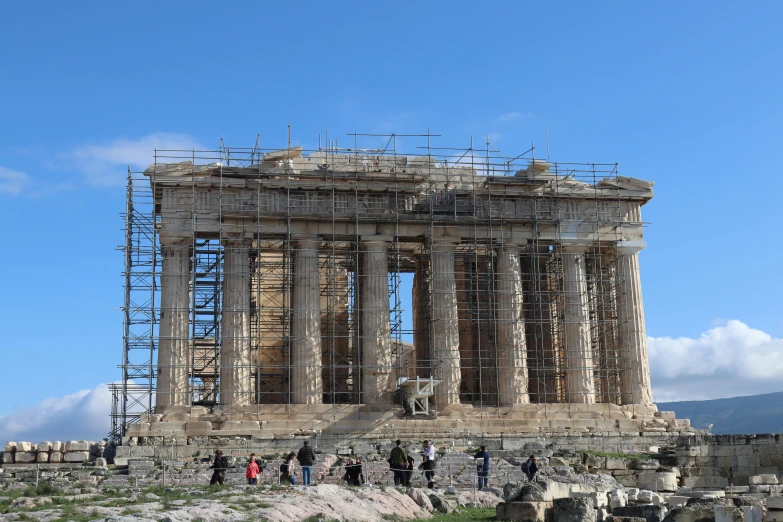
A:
{"x": 445, "y": 324}
{"x": 422, "y": 322}
{"x": 635, "y": 387}
{"x": 235, "y": 361}
{"x": 173, "y": 365}
{"x": 377, "y": 387}
{"x": 306, "y": 378}
{"x": 580, "y": 379}
{"x": 511, "y": 342}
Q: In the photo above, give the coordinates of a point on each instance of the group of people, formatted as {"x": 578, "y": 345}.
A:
{"x": 400, "y": 462}
{"x": 529, "y": 467}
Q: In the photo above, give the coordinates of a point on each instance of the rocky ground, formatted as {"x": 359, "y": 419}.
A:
{"x": 233, "y": 503}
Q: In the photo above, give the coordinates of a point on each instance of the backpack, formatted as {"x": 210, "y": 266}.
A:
{"x": 284, "y": 468}
{"x": 526, "y": 466}
{"x": 261, "y": 465}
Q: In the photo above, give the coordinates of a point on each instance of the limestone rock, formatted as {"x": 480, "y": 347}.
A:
{"x": 77, "y": 456}
{"x": 532, "y": 511}
{"x": 443, "y": 504}
{"x": 574, "y": 510}
{"x": 648, "y": 512}
{"x": 24, "y": 457}
{"x": 57, "y": 446}
{"x": 44, "y": 446}
{"x": 56, "y": 457}
{"x": 421, "y": 499}
{"x": 8, "y": 457}
{"x": 728, "y": 514}
{"x": 42, "y": 457}
{"x": 657, "y": 480}
{"x": 511, "y": 492}
{"x": 9, "y": 447}
{"x": 100, "y": 462}
{"x": 533, "y": 492}
{"x": 77, "y": 445}
{"x": 775, "y": 503}
{"x": 24, "y": 446}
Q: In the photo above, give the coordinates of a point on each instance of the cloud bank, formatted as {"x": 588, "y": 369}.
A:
{"x": 726, "y": 361}
{"x": 83, "y": 415}
{"x": 105, "y": 164}
{"x": 12, "y": 181}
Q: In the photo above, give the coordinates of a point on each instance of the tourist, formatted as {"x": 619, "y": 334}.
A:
{"x": 530, "y": 468}
{"x": 428, "y": 464}
{"x": 252, "y": 470}
{"x": 398, "y": 459}
{"x": 410, "y": 465}
{"x": 355, "y": 474}
{"x": 306, "y": 458}
{"x": 288, "y": 470}
{"x": 482, "y": 470}
{"x": 219, "y": 464}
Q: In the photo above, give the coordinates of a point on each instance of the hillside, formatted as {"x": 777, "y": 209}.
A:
{"x": 749, "y": 414}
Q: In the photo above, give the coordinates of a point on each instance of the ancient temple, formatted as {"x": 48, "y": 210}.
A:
{"x": 338, "y": 291}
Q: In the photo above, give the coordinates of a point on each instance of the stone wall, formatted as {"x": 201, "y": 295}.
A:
{"x": 75, "y": 451}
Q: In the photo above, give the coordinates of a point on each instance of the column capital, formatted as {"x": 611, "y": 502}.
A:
{"x": 629, "y": 248}
{"x": 575, "y": 247}
{"x": 306, "y": 240}
{"x": 444, "y": 243}
{"x": 510, "y": 246}
{"x": 174, "y": 241}
{"x": 376, "y": 240}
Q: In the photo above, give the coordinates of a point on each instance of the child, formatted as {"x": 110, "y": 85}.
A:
{"x": 252, "y": 470}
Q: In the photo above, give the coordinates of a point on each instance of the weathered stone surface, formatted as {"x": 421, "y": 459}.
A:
{"x": 657, "y": 480}
{"x": 574, "y": 510}
{"x": 647, "y": 512}
{"x": 306, "y": 378}
{"x": 45, "y": 446}
{"x": 42, "y": 457}
{"x": 57, "y": 446}
{"x": 442, "y": 503}
{"x": 728, "y": 514}
{"x": 24, "y": 457}
{"x": 9, "y": 447}
{"x": 76, "y": 456}
{"x": 56, "y": 457}
{"x": 527, "y": 511}
{"x": 24, "y": 446}
{"x": 775, "y": 503}
{"x": 8, "y": 457}
{"x": 77, "y": 445}
{"x": 421, "y": 499}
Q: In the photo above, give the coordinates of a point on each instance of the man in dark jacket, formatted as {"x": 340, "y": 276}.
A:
{"x": 530, "y": 468}
{"x": 397, "y": 461}
{"x": 306, "y": 458}
{"x": 482, "y": 469}
{"x": 219, "y": 465}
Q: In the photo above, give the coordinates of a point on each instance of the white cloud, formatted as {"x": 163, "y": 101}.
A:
{"x": 511, "y": 116}
{"x": 725, "y": 361}
{"x": 12, "y": 181}
{"x": 105, "y": 164}
{"x": 83, "y": 415}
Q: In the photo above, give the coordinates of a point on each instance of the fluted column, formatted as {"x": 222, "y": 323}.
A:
{"x": 235, "y": 365}
{"x": 174, "y": 337}
{"x": 306, "y": 378}
{"x": 511, "y": 342}
{"x": 580, "y": 380}
{"x": 445, "y": 327}
{"x": 375, "y": 323}
{"x": 635, "y": 373}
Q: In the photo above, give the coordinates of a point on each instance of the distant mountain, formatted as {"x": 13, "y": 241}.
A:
{"x": 750, "y": 414}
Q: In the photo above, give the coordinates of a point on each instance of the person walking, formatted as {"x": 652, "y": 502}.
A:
{"x": 428, "y": 464}
{"x": 409, "y": 467}
{"x": 252, "y": 470}
{"x": 482, "y": 469}
{"x": 398, "y": 459}
{"x": 306, "y": 458}
{"x": 355, "y": 474}
{"x": 530, "y": 468}
{"x": 219, "y": 464}
{"x": 288, "y": 470}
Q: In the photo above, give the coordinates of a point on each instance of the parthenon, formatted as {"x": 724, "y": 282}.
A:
{"x": 341, "y": 288}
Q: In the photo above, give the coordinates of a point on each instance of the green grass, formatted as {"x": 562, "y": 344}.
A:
{"x": 465, "y": 515}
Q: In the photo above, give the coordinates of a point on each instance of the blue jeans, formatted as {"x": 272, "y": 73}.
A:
{"x": 307, "y": 472}
{"x": 483, "y": 479}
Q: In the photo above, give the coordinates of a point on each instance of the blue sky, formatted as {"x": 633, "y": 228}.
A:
{"x": 686, "y": 94}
